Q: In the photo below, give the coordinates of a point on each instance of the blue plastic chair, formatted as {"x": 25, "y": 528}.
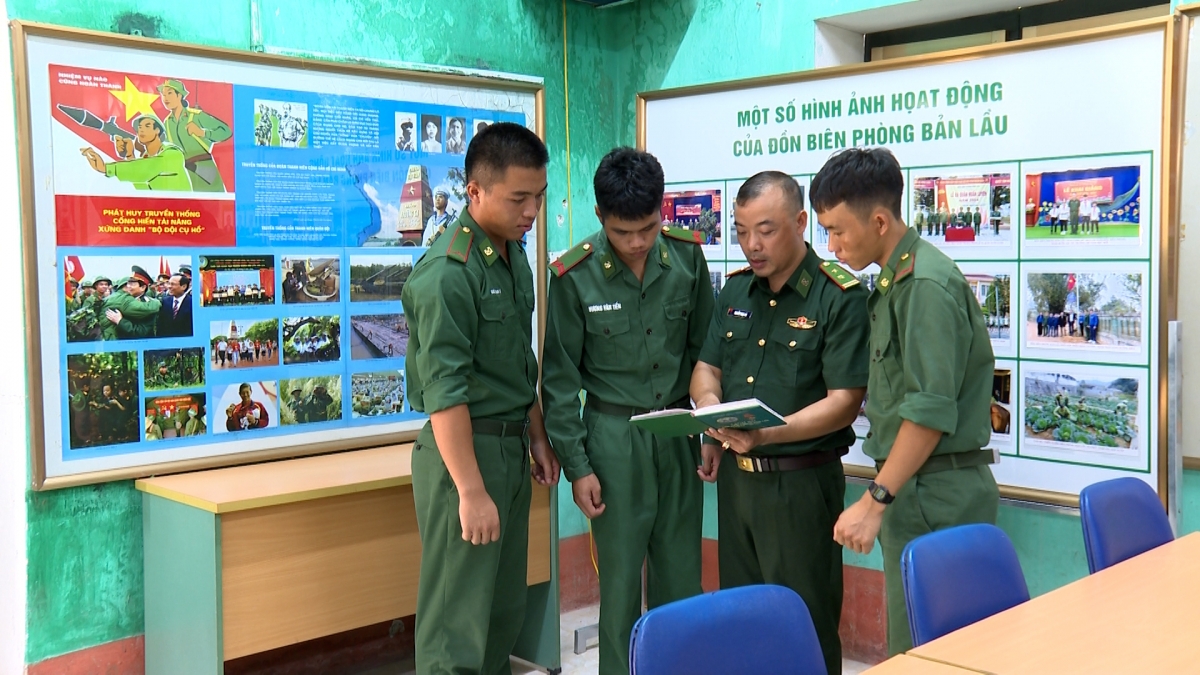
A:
{"x": 957, "y": 576}
{"x": 1121, "y": 518}
{"x": 748, "y": 630}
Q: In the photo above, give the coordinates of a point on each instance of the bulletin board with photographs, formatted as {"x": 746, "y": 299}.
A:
{"x": 217, "y": 242}
{"x": 1052, "y": 214}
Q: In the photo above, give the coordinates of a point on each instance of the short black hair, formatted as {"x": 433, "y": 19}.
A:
{"x": 756, "y": 185}
{"x": 501, "y": 145}
{"x": 628, "y": 184}
{"x": 862, "y": 178}
{"x": 184, "y": 280}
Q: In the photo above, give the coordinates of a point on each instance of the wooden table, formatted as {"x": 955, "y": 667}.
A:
{"x": 903, "y": 664}
{"x": 1139, "y": 616}
{"x": 251, "y": 558}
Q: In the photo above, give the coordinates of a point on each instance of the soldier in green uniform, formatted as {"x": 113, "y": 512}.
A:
{"x": 195, "y": 132}
{"x": 1073, "y": 214}
{"x": 629, "y": 308}
{"x": 977, "y": 220}
{"x": 792, "y": 334}
{"x": 160, "y": 166}
{"x": 919, "y": 219}
{"x": 931, "y": 374}
{"x": 471, "y": 368}
{"x": 130, "y": 313}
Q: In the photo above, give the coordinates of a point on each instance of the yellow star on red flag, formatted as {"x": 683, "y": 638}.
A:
{"x": 136, "y": 101}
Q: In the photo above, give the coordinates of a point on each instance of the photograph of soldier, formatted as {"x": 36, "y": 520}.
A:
{"x": 237, "y": 280}
{"x": 125, "y": 310}
{"x": 312, "y": 339}
{"x": 280, "y": 124}
{"x": 178, "y": 416}
{"x": 406, "y": 140}
{"x": 1070, "y": 304}
{"x": 309, "y": 279}
{"x": 480, "y": 125}
{"x": 166, "y": 369}
{"x": 311, "y": 399}
{"x": 698, "y": 210}
{"x": 378, "y": 336}
{"x": 431, "y": 130}
{"x": 243, "y": 343}
{"x": 717, "y": 279}
{"x": 378, "y": 278}
{"x": 1081, "y": 409}
{"x": 376, "y": 394}
{"x": 102, "y": 397}
{"x": 245, "y": 406}
{"x": 148, "y": 161}
{"x": 1097, "y": 203}
{"x": 949, "y": 207}
{"x": 194, "y": 132}
{"x": 456, "y": 136}
{"x": 441, "y": 217}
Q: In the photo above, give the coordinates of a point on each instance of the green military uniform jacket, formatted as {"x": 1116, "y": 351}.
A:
{"x": 470, "y": 327}
{"x": 138, "y": 316}
{"x": 625, "y": 342}
{"x": 197, "y": 151}
{"x": 931, "y": 358}
{"x": 164, "y": 171}
{"x": 789, "y": 349}
{"x": 976, "y": 218}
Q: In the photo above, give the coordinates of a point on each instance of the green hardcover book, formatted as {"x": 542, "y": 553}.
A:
{"x": 747, "y": 414}
{"x": 669, "y": 423}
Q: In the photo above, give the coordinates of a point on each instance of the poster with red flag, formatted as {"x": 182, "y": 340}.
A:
{"x": 141, "y": 160}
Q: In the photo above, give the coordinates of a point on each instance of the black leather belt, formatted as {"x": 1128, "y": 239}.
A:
{"x": 497, "y": 428}
{"x": 792, "y": 463}
{"x": 629, "y": 411}
{"x": 957, "y": 460}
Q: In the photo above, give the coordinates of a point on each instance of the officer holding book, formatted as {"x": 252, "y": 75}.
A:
{"x": 791, "y": 331}
{"x": 628, "y": 310}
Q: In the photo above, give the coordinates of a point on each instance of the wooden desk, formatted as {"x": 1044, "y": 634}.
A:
{"x": 1139, "y": 616}
{"x": 903, "y": 664}
{"x": 251, "y": 558}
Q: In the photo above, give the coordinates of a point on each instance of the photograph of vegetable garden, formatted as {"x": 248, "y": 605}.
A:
{"x": 1092, "y": 414}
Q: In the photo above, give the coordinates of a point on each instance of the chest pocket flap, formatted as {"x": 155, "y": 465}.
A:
{"x": 792, "y": 339}
{"x": 677, "y": 308}
{"x": 607, "y": 324}
{"x": 736, "y": 329}
{"x": 495, "y": 308}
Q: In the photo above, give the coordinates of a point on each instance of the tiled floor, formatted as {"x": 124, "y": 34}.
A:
{"x": 586, "y": 663}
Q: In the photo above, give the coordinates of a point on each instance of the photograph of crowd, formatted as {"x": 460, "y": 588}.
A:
{"x": 165, "y": 369}
{"x": 698, "y": 210}
{"x": 1092, "y": 311}
{"x": 177, "y": 416}
{"x": 245, "y": 343}
{"x": 376, "y": 278}
{"x": 309, "y": 279}
{"x": 246, "y": 406}
{"x": 311, "y": 339}
{"x": 1090, "y": 413}
{"x": 1100, "y": 203}
{"x": 378, "y": 336}
{"x": 311, "y": 399}
{"x": 237, "y": 280}
{"x": 992, "y": 292}
{"x": 375, "y": 394}
{"x": 958, "y": 209}
{"x": 117, "y": 298}
{"x": 102, "y": 392}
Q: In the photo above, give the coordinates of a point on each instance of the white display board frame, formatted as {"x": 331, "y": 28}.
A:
{"x": 715, "y": 136}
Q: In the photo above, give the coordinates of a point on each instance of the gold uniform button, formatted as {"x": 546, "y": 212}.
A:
{"x": 904, "y": 257}
{"x": 466, "y": 230}
{"x": 773, "y": 303}
{"x": 587, "y": 247}
{"x": 762, "y": 343}
{"x": 750, "y": 380}
{"x": 729, "y": 334}
{"x": 792, "y": 343}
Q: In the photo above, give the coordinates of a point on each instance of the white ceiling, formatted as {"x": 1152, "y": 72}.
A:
{"x": 921, "y": 12}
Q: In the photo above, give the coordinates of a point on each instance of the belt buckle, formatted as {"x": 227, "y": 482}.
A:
{"x": 745, "y": 463}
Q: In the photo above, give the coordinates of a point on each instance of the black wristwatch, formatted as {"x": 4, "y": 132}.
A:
{"x": 880, "y": 493}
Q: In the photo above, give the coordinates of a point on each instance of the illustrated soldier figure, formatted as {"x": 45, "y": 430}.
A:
{"x": 629, "y": 307}
{"x": 160, "y": 166}
{"x": 472, "y": 369}
{"x": 130, "y": 313}
{"x": 195, "y": 132}
{"x": 929, "y": 397}
{"x": 791, "y": 331}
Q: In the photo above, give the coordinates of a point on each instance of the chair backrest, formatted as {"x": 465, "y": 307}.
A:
{"x": 747, "y": 630}
{"x": 957, "y": 576}
{"x": 1121, "y": 518}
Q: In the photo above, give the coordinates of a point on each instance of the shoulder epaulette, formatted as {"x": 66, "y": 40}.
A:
{"x": 737, "y": 272}
{"x": 683, "y": 234}
{"x": 905, "y": 267}
{"x": 460, "y": 244}
{"x": 570, "y": 259}
{"x": 841, "y": 278}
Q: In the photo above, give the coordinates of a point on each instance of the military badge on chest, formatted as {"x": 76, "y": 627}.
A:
{"x": 802, "y": 323}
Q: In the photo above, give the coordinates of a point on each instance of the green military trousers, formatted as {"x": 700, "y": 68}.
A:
{"x": 653, "y": 512}
{"x": 470, "y": 599}
{"x": 929, "y": 502}
{"x": 777, "y": 528}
